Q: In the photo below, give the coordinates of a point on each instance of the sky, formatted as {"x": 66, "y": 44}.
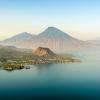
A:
{"x": 78, "y": 18}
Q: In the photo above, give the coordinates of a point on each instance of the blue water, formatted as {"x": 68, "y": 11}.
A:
{"x": 54, "y": 81}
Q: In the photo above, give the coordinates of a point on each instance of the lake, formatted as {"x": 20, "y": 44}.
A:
{"x": 54, "y": 81}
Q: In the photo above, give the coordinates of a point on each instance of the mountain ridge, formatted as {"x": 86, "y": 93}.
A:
{"x": 56, "y": 40}
{"x": 17, "y": 39}
{"x": 52, "y": 38}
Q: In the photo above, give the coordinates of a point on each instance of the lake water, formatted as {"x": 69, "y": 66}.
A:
{"x": 54, "y": 81}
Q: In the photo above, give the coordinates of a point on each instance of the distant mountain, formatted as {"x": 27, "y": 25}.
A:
{"x": 95, "y": 42}
{"x": 52, "y": 38}
{"x": 56, "y": 40}
{"x": 18, "y": 39}
{"x": 92, "y": 45}
{"x": 41, "y": 51}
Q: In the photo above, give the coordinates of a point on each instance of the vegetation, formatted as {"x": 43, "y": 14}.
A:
{"x": 11, "y": 60}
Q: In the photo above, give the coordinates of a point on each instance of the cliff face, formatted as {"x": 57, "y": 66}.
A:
{"x": 40, "y": 51}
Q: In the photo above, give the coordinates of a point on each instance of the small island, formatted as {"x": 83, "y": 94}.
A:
{"x": 12, "y": 58}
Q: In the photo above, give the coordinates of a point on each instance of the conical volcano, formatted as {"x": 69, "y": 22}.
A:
{"x": 56, "y": 40}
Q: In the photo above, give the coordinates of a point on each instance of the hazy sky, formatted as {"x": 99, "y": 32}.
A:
{"x": 79, "y": 18}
